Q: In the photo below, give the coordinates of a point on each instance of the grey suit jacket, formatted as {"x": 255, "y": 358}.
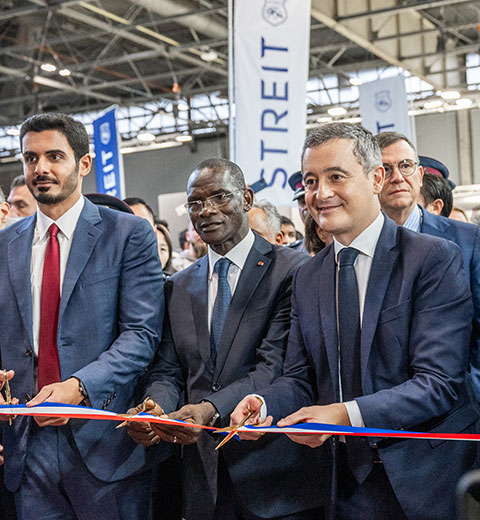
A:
{"x": 250, "y": 356}
{"x": 109, "y": 326}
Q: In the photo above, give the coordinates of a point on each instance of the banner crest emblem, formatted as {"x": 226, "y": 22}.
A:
{"x": 274, "y": 12}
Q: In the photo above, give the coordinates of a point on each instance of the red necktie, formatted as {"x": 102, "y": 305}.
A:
{"x": 48, "y": 364}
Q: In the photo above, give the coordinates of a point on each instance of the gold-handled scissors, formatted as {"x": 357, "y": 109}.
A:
{"x": 142, "y": 409}
{"x": 8, "y": 394}
{"x": 233, "y": 429}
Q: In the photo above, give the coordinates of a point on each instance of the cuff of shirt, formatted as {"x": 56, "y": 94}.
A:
{"x": 263, "y": 408}
{"x": 354, "y": 414}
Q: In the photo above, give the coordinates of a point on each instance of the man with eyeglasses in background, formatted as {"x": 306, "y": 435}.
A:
{"x": 399, "y": 200}
{"x": 225, "y": 336}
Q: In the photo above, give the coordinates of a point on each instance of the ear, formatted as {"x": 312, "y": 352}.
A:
{"x": 248, "y": 199}
{"x": 85, "y": 165}
{"x": 435, "y": 207}
{"x": 420, "y": 173}
{"x": 378, "y": 176}
{"x": 4, "y": 213}
{"x": 278, "y": 239}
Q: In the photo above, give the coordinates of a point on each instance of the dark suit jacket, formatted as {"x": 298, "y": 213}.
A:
{"x": 109, "y": 326}
{"x": 250, "y": 356}
{"x": 467, "y": 238}
{"x": 414, "y": 350}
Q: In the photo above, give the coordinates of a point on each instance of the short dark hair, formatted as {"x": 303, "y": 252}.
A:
{"x": 218, "y": 164}
{"x": 286, "y": 221}
{"x": 74, "y": 131}
{"x": 365, "y": 147}
{"x": 19, "y": 180}
{"x": 385, "y": 139}
{"x": 133, "y": 201}
{"x": 436, "y": 187}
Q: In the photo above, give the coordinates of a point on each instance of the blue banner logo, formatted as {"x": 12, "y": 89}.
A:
{"x": 108, "y": 160}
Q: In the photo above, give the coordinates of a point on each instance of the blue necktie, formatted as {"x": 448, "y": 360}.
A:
{"x": 349, "y": 325}
{"x": 359, "y": 453}
{"x": 221, "y": 305}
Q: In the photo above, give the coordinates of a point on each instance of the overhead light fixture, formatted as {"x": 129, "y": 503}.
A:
{"x": 150, "y": 146}
{"x": 450, "y": 94}
{"x": 182, "y": 106}
{"x": 208, "y": 55}
{"x": 464, "y": 102}
{"x": 435, "y": 103}
{"x": 184, "y": 138}
{"x": 48, "y": 67}
{"x": 13, "y": 132}
{"x": 145, "y": 137}
{"x": 337, "y": 111}
{"x": 355, "y": 82}
{"x": 64, "y": 72}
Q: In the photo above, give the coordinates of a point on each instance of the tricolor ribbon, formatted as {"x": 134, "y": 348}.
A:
{"x": 83, "y": 412}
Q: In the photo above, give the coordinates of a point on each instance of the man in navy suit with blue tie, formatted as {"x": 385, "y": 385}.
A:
{"x": 225, "y": 336}
{"x": 380, "y": 332}
{"x": 399, "y": 200}
{"x": 80, "y": 318}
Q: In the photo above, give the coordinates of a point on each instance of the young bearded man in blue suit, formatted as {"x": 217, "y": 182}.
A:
{"x": 399, "y": 200}
{"x": 80, "y": 319}
{"x": 380, "y": 332}
{"x": 214, "y": 369}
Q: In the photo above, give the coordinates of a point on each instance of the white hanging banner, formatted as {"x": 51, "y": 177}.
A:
{"x": 271, "y": 49}
{"x": 384, "y": 106}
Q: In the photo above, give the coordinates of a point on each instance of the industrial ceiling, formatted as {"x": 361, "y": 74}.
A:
{"x": 80, "y": 56}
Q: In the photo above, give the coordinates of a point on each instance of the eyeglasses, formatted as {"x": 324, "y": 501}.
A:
{"x": 215, "y": 201}
{"x": 406, "y": 167}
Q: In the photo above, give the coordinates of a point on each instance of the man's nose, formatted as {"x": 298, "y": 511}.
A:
{"x": 42, "y": 165}
{"x": 324, "y": 190}
{"x": 207, "y": 208}
{"x": 396, "y": 176}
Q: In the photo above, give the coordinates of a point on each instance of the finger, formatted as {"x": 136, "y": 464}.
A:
{"x": 51, "y": 421}
{"x": 294, "y": 418}
{"x": 10, "y": 374}
{"x": 313, "y": 441}
{"x": 41, "y": 397}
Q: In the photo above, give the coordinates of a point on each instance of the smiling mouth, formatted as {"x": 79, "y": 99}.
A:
{"x": 326, "y": 209}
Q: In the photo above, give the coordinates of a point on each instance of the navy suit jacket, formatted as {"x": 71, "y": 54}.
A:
{"x": 109, "y": 326}
{"x": 467, "y": 238}
{"x": 250, "y": 356}
{"x": 414, "y": 350}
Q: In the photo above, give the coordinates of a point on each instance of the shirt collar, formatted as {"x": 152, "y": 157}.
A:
{"x": 66, "y": 223}
{"x": 366, "y": 242}
{"x": 414, "y": 220}
{"x": 237, "y": 255}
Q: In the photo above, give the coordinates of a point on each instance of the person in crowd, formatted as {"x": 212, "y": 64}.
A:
{"x": 399, "y": 200}
{"x": 196, "y": 248}
{"x": 22, "y": 202}
{"x": 436, "y": 195}
{"x": 141, "y": 209}
{"x": 214, "y": 351}
{"x": 295, "y": 182}
{"x": 288, "y": 231}
{"x": 81, "y": 316}
{"x": 265, "y": 219}
{"x": 394, "y": 367}
{"x": 4, "y": 210}
{"x": 316, "y": 238}
{"x": 165, "y": 248}
{"x": 459, "y": 214}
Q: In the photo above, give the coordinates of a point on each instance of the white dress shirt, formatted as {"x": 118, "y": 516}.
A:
{"x": 66, "y": 224}
{"x": 238, "y": 256}
{"x": 366, "y": 243}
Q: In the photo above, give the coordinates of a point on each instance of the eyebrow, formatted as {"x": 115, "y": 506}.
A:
{"x": 29, "y": 152}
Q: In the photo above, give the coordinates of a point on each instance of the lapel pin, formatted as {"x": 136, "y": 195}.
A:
{"x": 260, "y": 264}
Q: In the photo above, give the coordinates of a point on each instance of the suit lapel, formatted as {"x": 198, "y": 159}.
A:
{"x": 328, "y": 314}
{"x": 380, "y": 273}
{"x": 253, "y": 271}
{"x": 199, "y": 302}
{"x": 19, "y": 254}
{"x": 85, "y": 237}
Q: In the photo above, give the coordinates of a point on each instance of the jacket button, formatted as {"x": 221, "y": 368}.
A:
{"x": 28, "y": 353}
{"x": 216, "y": 387}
